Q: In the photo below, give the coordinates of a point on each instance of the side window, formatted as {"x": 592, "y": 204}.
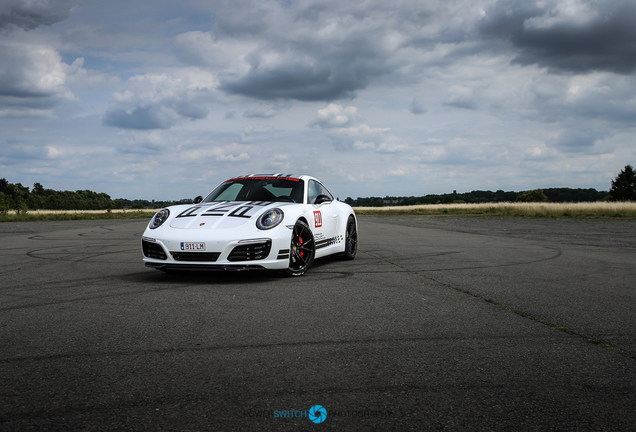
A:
{"x": 316, "y": 189}
{"x": 312, "y": 192}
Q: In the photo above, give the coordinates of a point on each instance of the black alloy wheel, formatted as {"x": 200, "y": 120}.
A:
{"x": 302, "y": 250}
{"x": 351, "y": 240}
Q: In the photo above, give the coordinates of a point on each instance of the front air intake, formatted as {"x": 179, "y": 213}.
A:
{"x": 195, "y": 256}
{"x": 251, "y": 251}
{"x": 153, "y": 250}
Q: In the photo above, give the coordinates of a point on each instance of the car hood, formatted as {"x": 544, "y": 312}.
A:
{"x": 220, "y": 215}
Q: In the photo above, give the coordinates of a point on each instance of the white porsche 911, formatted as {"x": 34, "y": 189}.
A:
{"x": 253, "y": 222}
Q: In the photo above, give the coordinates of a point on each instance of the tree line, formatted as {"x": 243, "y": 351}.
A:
{"x": 22, "y": 198}
{"x": 480, "y": 196}
{"x": 623, "y": 189}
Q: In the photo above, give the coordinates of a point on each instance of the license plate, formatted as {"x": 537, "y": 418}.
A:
{"x": 188, "y": 246}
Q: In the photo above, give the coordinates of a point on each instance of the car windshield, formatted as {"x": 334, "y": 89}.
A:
{"x": 272, "y": 189}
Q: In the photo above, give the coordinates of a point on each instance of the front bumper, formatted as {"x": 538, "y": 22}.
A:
{"x": 220, "y": 254}
{"x": 204, "y": 267}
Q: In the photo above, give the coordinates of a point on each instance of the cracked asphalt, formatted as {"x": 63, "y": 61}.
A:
{"x": 440, "y": 323}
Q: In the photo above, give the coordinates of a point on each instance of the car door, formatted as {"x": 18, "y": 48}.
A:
{"x": 325, "y": 216}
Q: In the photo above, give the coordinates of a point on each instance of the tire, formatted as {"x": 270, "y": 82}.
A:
{"x": 351, "y": 240}
{"x": 302, "y": 250}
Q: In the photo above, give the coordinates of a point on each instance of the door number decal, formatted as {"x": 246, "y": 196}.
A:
{"x": 317, "y": 219}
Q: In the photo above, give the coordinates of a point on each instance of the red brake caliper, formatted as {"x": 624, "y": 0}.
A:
{"x": 300, "y": 240}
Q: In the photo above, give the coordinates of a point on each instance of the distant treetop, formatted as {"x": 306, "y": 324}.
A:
{"x": 624, "y": 185}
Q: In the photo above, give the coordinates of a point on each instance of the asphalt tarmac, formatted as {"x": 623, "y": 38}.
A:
{"x": 440, "y": 323}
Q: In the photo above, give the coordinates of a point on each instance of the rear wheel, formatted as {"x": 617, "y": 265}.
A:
{"x": 351, "y": 240}
{"x": 302, "y": 250}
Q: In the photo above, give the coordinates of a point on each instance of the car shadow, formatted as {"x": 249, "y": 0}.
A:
{"x": 186, "y": 277}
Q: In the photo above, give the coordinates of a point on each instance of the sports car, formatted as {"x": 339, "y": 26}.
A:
{"x": 253, "y": 222}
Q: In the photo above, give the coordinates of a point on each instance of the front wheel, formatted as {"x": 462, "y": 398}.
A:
{"x": 351, "y": 240}
{"x": 302, "y": 250}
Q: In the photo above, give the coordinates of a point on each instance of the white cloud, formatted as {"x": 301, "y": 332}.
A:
{"x": 201, "y": 49}
{"x": 539, "y": 151}
{"x": 33, "y": 79}
{"x": 361, "y": 137}
{"x": 335, "y": 116}
{"x": 399, "y": 171}
{"x": 224, "y": 153}
{"x": 132, "y": 171}
{"x": 160, "y": 101}
{"x": 263, "y": 110}
{"x": 392, "y": 147}
{"x": 53, "y": 152}
{"x": 343, "y": 127}
{"x": 233, "y": 157}
{"x": 78, "y": 77}
{"x": 251, "y": 131}
{"x": 362, "y": 145}
{"x": 29, "y": 14}
{"x": 563, "y": 12}
{"x": 461, "y": 97}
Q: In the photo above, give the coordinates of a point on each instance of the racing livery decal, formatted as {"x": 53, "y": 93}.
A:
{"x": 328, "y": 242}
{"x": 240, "y": 209}
{"x": 264, "y": 177}
{"x": 224, "y": 214}
{"x": 317, "y": 219}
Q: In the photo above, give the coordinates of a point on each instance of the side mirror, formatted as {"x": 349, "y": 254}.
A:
{"x": 322, "y": 199}
{"x": 197, "y": 200}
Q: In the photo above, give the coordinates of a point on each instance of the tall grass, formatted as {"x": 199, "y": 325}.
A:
{"x": 552, "y": 210}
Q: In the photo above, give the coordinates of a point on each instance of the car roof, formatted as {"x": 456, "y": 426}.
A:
{"x": 275, "y": 176}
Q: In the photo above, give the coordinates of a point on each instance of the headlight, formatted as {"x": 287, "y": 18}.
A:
{"x": 159, "y": 218}
{"x": 270, "y": 219}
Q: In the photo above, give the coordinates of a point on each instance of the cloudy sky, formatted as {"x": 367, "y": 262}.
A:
{"x": 164, "y": 99}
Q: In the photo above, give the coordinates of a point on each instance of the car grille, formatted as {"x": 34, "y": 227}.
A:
{"x": 195, "y": 256}
{"x": 251, "y": 251}
{"x": 153, "y": 250}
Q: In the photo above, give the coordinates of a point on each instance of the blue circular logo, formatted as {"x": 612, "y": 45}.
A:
{"x": 317, "y": 413}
